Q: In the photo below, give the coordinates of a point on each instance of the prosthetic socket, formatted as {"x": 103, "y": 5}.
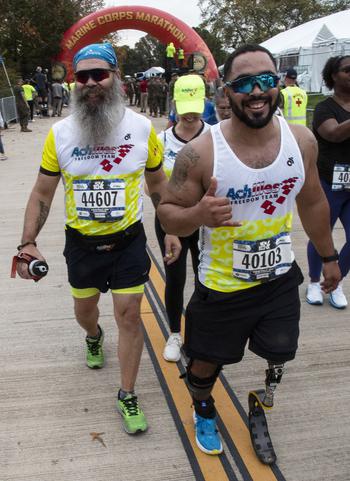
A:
{"x": 200, "y": 388}
{"x": 274, "y": 375}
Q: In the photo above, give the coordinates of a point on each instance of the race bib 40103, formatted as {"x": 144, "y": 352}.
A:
{"x": 263, "y": 259}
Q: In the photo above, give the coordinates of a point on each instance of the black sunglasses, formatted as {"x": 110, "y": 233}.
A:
{"x": 96, "y": 74}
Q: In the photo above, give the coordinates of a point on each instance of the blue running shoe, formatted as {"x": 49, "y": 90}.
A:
{"x": 207, "y": 436}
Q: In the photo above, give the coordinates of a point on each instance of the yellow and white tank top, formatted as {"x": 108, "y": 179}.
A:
{"x": 172, "y": 145}
{"x": 103, "y": 183}
{"x": 237, "y": 258}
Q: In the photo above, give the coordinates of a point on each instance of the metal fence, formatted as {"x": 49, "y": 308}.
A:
{"x": 8, "y": 109}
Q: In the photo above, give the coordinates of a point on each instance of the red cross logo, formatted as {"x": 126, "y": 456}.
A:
{"x": 298, "y": 102}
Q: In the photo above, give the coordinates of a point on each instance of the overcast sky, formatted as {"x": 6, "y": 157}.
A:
{"x": 185, "y": 10}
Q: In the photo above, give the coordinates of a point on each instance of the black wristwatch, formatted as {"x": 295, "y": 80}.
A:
{"x": 334, "y": 257}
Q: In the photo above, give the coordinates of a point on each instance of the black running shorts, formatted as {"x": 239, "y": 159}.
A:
{"x": 219, "y": 325}
{"x": 116, "y": 269}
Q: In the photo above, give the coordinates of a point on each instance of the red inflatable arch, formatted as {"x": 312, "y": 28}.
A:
{"x": 159, "y": 24}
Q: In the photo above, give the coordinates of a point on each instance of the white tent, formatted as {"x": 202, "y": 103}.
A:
{"x": 308, "y": 46}
{"x": 154, "y": 71}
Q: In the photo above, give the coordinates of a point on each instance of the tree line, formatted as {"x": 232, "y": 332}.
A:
{"x": 31, "y": 30}
{"x": 235, "y": 22}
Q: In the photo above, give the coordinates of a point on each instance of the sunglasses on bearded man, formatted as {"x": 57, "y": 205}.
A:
{"x": 96, "y": 74}
{"x": 245, "y": 85}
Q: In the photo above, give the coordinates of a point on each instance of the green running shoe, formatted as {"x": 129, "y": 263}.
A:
{"x": 133, "y": 417}
{"x": 94, "y": 352}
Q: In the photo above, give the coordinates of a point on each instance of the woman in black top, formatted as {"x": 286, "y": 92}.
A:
{"x": 331, "y": 125}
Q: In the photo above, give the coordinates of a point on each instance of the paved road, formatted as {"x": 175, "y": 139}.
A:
{"x": 50, "y": 403}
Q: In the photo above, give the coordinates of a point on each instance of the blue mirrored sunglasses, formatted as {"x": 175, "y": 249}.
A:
{"x": 245, "y": 85}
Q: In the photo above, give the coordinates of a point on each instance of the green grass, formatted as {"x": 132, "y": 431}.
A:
{"x": 313, "y": 100}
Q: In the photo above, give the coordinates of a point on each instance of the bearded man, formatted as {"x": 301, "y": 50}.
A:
{"x": 238, "y": 183}
{"x": 103, "y": 152}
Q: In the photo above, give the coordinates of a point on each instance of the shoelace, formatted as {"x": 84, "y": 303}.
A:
{"x": 93, "y": 347}
{"x": 174, "y": 340}
{"x": 131, "y": 406}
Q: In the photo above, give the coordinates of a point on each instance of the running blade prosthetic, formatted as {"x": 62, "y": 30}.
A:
{"x": 259, "y": 433}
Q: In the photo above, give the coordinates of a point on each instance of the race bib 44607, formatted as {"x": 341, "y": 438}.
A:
{"x": 102, "y": 200}
{"x": 262, "y": 259}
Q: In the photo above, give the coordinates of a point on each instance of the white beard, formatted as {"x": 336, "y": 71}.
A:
{"x": 95, "y": 122}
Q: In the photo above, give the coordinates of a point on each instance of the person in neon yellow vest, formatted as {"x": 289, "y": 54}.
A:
{"x": 181, "y": 56}
{"x": 170, "y": 53}
{"x": 293, "y": 99}
{"x": 170, "y": 50}
{"x": 30, "y": 93}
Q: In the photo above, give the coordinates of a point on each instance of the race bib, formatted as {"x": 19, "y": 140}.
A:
{"x": 262, "y": 259}
{"x": 341, "y": 177}
{"x": 102, "y": 200}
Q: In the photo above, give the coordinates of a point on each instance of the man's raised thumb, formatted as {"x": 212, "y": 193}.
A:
{"x": 212, "y": 187}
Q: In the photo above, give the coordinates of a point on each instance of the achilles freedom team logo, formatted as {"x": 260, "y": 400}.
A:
{"x": 111, "y": 155}
{"x": 122, "y": 151}
{"x": 170, "y": 154}
{"x": 271, "y": 194}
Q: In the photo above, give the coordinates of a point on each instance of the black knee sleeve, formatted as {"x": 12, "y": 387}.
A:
{"x": 200, "y": 388}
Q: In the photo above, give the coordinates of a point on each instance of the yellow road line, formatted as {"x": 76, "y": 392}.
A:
{"x": 210, "y": 466}
{"x": 230, "y": 416}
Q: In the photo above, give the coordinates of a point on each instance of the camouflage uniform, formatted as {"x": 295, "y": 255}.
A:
{"x": 151, "y": 92}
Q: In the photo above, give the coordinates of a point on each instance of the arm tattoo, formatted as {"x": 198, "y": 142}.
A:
{"x": 155, "y": 197}
{"x": 185, "y": 159}
{"x": 44, "y": 212}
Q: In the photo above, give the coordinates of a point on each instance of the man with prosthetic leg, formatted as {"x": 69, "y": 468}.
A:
{"x": 238, "y": 183}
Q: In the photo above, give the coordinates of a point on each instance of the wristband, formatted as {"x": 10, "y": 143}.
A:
{"x": 20, "y": 247}
{"x": 334, "y": 257}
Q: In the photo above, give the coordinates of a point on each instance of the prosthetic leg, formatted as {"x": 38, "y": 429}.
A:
{"x": 259, "y": 401}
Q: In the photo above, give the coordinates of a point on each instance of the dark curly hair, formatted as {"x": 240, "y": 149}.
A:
{"x": 331, "y": 67}
{"x": 252, "y": 47}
